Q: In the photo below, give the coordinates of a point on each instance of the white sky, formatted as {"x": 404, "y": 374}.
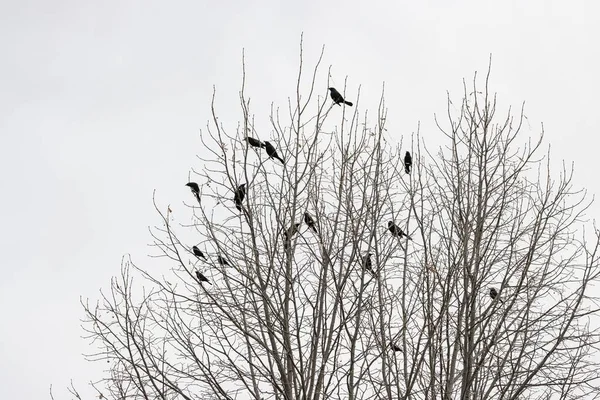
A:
{"x": 101, "y": 102}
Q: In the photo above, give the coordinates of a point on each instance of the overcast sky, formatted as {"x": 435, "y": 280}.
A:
{"x": 101, "y": 103}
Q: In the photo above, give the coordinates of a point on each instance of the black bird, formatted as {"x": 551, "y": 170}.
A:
{"x": 202, "y": 278}
{"x": 395, "y": 347}
{"x": 223, "y": 261}
{"x": 368, "y": 264}
{"x": 337, "y": 97}
{"x": 397, "y": 231}
{"x": 239, "y": 195}
{"x": 407, "y": 162}
{"x": 494, "y": 295}
{"x": 309, "y": 221}
{"x": 195, "y": 189}
{"x": 254, "y": 142}
{"x": 272, "y": 152}
{"x": 198, "y": 253}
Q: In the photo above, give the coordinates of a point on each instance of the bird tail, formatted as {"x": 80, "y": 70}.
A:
{"x": 281, "y": 159}
{"x": 408, "y": 237}
{"x": 348, "y": 103}
{"x": 198, "y": 197}
{"x": 407, "y": 169}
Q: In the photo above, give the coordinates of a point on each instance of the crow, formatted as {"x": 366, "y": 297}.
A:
{"x": 223, "y": 261}
{"x": 407, "y": 162}
{"x": 202, "y": 278}
{"x": 198, "y": 253}
{"x": 239, "y": 195}
{"x": 367, "y": 264}
{"x": 195, "y": 189}
{"x": 397, "y": 231}
{"x": 272, "y": 152}
{"x": 309, "y": 221}
{"x": 494, "y": 295}
{"x": 337, "y": 97}
{"x": 395, "y": 347}
{"x": 254, "y": 142}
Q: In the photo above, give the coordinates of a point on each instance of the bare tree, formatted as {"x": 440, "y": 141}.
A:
{"x": 347, "y": 308}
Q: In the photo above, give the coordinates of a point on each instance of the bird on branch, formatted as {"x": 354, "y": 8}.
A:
{"x": 309, "y": 221}
{"x": 395, "y": 347}
{"x": 337, "y": 97}
{"x": 407, "y": 162}
{"x": 494, "y": 295}
{"x": 367, "y": 264}
{"x": 272, "y": 152}
{"x": 195, "y": 189}
{"x": 239, "y": 195}
{"x": 396, "y": 230}
{"x": 202, "y": 278}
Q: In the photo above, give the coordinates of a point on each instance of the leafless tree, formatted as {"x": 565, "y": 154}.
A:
{"x": 303, "y": 316}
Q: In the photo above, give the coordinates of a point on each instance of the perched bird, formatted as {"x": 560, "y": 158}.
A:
{"x": 195, "y": 189}
{"x": 223, "y": 261}
{"x": 239, "y": 195}
{"x": 367, "y": 264}
{"x": 494, "y": 295}
{"x": 202, "y": 278}
{"x": 198, "y": 253}
{"x": 309, "y": 221}
{"x": 407, "y": 162}
{"x": 337, "y": 97}
{"x": 272, "y": 152}
{"x": 397, "y": 231}
{"x": 395, "y": 347}
{"x": 254, "y": 142}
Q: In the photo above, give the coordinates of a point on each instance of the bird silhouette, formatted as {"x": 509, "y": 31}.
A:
{"x": 202, "y": 278}
{"x": 272, "y": 152}
{"x": 367, "y": 264}
{"x": 396, "y": 230}
{"x": 395, "y": 347}
{"x": 254, "y": 142}
{"x": 337, "y": 97}
{"x": 195, "y": 189}
{"x": 407, "y": 162}
{"x": 198, "y": 253}
{"x": 239, "y": 195}
{"x": 309, "y": 221}
{"x": 494, "y": 295}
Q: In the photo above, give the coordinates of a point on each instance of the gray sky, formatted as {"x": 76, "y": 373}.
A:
{"x": 102, "y": 102}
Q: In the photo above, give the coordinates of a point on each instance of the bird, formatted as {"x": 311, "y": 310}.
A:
{"x": 310, "y": 222}
{"x": 198, "y": 253}
{"x": 395, "y": 347}
{"x": 222, "y": 260}
{"x": 202, "y": 278}
{"x": 397, "y": 231}
{"x": 195, "y": 189}
{"x": 272, "y": 152}
{"x": 254, "y": 142}
{"x": 367, "y": 264}
{"x": 407, "y": 162}
{"x": 239, "y": 195}
{"x": 337, "y": 97}
{"x": 494, "y": 295}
